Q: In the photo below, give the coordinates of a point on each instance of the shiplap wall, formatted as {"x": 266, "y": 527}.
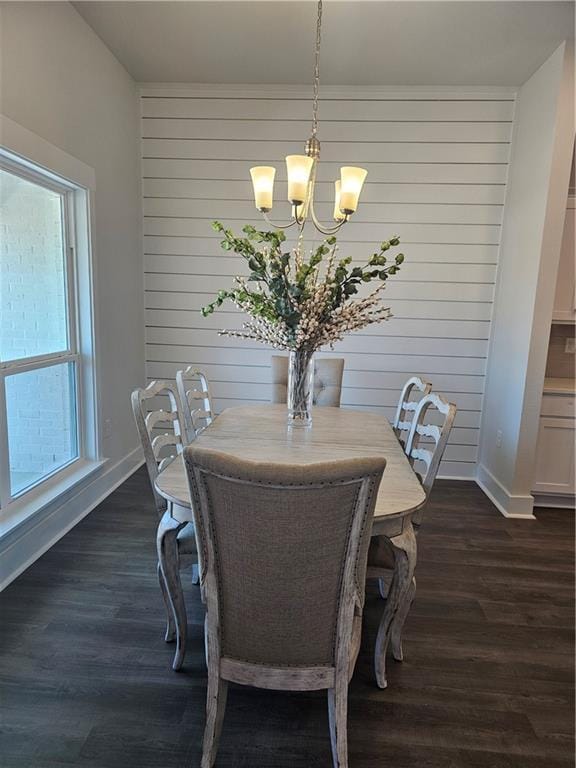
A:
{"x": 437, "y": 168}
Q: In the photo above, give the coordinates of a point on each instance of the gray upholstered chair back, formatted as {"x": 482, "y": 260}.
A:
{"x": 407, "y": 406}
{"x": 327, "y": 380}
{"x": 196, "y": 398}
{"x": 276, "y": 541}
{"x": 161, "y": 430}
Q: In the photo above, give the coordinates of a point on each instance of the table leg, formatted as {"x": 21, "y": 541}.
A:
{"x": 404, "y": 547}
{"x": 169, "y": 563}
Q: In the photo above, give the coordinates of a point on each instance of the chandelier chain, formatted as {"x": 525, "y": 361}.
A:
{"x": 317, "y": 71}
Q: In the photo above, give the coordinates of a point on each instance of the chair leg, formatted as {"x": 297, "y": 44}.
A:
{"x": 215, "y": 708}
{"x": 399, "y": 621}
{"x": 338, "y": 717}
{"x": 405, "y": 562}
{"x": 167, "y": 546}
{"x": 170, "y": 635}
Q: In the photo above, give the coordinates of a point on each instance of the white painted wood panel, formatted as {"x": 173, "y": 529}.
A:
{"x": 224, "y": 351}
{"x": 364, "y": 233}
{"x": 462, "y": 311}
{"x": 378, "y": 109}
{"x": 437, "y": 166}
{"x": 335, "y": 151}
{"x": 390, "y": 172}
{"x": 401, "y": 327}
{"x": 243, "y": 210}
{"x": 454, "y": 253}
{"x": 372, "y": 192}
{"x": 230, "y": 266}
{"x": 332, "y": 131}
{"x": 399, "y": 289}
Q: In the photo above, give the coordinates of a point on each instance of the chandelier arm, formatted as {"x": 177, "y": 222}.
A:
{"x": 320, "y": 227}
{"x": 279, "y": 226}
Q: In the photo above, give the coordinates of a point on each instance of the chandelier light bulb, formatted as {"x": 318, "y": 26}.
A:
{"x": 299, "y": 168}
{"x": 338, "y": 215}
{"x": 351, "y": 180}
{"x": 263, "y": 183}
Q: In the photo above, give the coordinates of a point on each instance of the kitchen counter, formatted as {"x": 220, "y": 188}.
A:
{"x": 559, "y": 386}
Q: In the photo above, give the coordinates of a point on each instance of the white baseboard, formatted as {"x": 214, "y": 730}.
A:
{"x": 25, "y": 544}
{"x": 510, "y": 505}
{"x": 557, "y": 501}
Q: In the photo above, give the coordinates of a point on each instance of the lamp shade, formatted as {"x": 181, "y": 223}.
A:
{"x": 299, "y": 168}
{"x": 338, "y": 215}
{"x": 351, "y": 180}
{"x": 263, "y": 183}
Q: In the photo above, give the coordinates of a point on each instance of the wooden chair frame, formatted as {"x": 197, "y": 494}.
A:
{"x": 406, "y": 406}
{"x": 173, "y": 538}
{"x": 190, "y": 395}
{"x": 399, "y": 552}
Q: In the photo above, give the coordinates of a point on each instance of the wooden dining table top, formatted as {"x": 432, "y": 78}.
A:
{"x": 260, "y": 433}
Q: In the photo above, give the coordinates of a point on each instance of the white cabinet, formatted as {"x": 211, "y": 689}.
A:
{"x": 565, "y": 300}
{"x": 555, "y": 452}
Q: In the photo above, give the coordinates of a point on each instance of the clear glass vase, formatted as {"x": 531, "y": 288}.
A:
{"x": 300, "y": 387}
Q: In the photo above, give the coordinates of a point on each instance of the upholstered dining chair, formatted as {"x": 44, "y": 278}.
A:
{"x": 407, "y": 406}
{"x": 284, "y": 561}
{"x": 397, "y": 554}
{"x": 174, "y": 540}
{"x": 193, "y": 386}
{"x": 328, "y": 373}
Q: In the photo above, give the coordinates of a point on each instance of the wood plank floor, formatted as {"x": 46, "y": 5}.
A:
{"x": 487, "y": 681}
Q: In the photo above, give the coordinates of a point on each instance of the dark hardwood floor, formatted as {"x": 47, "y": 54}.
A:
{"x": 487, "y": 681}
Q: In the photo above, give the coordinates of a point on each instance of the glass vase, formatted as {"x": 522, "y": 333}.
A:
{"x": 300, "y": 387}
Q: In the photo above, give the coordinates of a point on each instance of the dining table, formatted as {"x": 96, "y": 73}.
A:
{"x": 261, "y": 433}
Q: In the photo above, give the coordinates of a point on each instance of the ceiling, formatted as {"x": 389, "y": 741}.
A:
{"x": 364, "y": 43}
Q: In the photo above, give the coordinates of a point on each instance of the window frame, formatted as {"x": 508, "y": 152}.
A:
{"x": 80, "y": 343}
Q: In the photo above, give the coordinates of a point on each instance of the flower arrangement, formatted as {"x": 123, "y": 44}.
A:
{"x": 301, "y": 304}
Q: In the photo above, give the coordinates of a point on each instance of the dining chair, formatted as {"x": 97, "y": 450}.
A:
{"x": 407, "y": 406}
{"x": 327, "y": 385}
{"x": 284, "y": 552}
{"x": 193, "y": 386}
{"x": 161, "y": 435}
{"x": 397, "y": 554}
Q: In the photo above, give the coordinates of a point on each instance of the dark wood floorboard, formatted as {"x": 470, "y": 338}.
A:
{"x": 487, "y": 681}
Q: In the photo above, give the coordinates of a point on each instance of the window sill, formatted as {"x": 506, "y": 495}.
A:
{"x": 53, "y": 492}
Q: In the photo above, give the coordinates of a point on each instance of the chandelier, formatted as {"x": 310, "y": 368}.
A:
{"x": 302, "y": 174}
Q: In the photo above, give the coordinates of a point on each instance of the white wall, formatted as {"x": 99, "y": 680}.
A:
{"x": 530, "y": 250}
{"x": 437, "y": 163}
{"x": 61, "y": 82}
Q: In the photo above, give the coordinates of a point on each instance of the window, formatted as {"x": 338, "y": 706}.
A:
{"x": 43, "y": 429}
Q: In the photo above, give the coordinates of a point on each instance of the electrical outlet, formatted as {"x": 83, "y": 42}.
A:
{"x": 107, "y": 428}
{"x": 569, "y": 347}
{"x": 499, "y": 439}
